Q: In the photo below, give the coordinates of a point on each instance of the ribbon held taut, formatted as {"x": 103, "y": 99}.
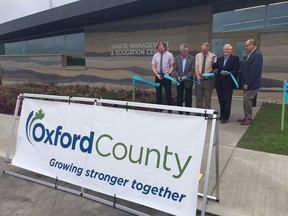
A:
{"x": 185, "y": 78}
{"x": 170, "y": 78}
{"x": 138, "y": 78}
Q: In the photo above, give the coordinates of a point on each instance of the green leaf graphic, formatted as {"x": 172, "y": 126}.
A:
{"x": 38, "y": 115}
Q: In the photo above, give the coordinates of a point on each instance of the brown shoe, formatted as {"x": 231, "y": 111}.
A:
{"x": 241, "y": 120}
{"x": 245, "y": 122}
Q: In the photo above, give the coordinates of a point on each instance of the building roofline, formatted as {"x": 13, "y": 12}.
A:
{"x": 84, "y": 13}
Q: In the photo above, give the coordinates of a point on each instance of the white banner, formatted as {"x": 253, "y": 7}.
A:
{"x": 148, "y": 158}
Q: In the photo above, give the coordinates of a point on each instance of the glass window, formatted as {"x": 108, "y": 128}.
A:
{"x": 241, "y": 51}
{"x": 59, "y": 44}
{"x": 75, "y": 61}
{"x": 277, "y": 15}
{"x": 257, "y": 17}
{"x": 16, "y": 48}
{"x": 217, "y": 46}
{"x": 74, "y": 43}
{"x": 2, "y": 49}
{"x": 41, "y": 46}
{"x": 252, "y": 18}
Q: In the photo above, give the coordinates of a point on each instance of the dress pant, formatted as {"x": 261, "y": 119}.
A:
{"x": 188, "y": 95}
{"x": 248, "y": 97}
{"x": 225, "y": 99}
{"x": 167, "y": 87}
{"x": 204, "y": 93}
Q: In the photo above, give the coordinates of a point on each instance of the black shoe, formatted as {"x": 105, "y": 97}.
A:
{"x": 224, "y": 121}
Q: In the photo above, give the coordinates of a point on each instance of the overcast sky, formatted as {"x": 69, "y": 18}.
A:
{"x": 13, "y": 9}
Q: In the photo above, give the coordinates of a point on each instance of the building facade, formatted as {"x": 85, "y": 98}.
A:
{"x": 100, "y": 43}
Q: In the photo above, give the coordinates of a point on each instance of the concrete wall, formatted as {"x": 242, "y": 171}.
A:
{"x": 274, "y": 47}
{"x": 30, "y": 68}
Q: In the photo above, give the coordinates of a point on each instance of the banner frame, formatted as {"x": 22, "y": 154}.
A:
{"x": 208, "y": 114}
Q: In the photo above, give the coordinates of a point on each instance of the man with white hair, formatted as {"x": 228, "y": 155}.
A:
{"x": 224, "y": 83}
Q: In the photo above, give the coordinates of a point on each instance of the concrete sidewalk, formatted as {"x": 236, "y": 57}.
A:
{"x": 251, "y": 183}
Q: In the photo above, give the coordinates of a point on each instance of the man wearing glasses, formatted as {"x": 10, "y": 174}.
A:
{"x": 251, "y": 79}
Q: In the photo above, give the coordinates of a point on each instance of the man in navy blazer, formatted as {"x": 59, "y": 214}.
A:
{"x": 184, "y": 66}
{"x": 251, "y": 79}
{"x": 224, "y": 83}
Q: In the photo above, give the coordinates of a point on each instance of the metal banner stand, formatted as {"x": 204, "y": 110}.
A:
{"x": 207, "y": 114}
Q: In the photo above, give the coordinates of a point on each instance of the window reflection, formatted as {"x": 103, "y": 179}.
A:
{"x": 15, "y": 48}
{"x": 272, "y": 16}
{"x": 59, "y": 44}
{"x": 277, "y": 15}
{"x": 42, "y": 45}
{"x": 72, "y": 43}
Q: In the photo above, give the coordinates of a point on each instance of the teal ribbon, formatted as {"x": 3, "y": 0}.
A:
{"x": 285, "y": 86}
{"x": 208, "y": 75}
{"x": 170, "y": 78}
{"x": 185, "y": 78}
{"x": 233, "y": 78}
{"x": 138, "y": 78}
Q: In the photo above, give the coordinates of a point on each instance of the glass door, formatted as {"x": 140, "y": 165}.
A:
{"x": 240, "y": 50}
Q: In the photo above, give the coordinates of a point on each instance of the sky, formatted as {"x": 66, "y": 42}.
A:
{"x": 13, "y": 9}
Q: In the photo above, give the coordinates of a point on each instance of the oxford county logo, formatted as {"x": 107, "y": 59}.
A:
{"x": 31, "y": 120}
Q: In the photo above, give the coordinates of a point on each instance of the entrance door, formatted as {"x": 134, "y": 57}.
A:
{"x": 240, "y": 50}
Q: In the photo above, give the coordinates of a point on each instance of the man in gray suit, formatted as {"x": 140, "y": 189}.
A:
{"x": 184, "y": 67}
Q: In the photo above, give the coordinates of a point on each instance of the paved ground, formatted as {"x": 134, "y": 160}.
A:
{"x": 251, "y": 183}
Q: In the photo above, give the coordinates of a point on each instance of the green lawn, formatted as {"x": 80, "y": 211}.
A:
{"x": 264, "y": 133}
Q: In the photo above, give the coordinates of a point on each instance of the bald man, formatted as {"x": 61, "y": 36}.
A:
{"x": 251, "y": 78}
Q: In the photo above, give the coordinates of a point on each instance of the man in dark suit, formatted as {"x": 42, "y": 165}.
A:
{"x": 184, "y": 67}
{"x": 251, "y": 79}
{"x": 224, "y": 83}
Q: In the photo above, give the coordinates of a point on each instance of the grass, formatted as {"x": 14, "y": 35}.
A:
{"x": 264, "y": 133}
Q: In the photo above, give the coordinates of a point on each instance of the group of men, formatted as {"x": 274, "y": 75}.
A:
{"x": 188, "y": 69}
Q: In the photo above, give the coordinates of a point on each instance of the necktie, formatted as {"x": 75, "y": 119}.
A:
{"x": 225, "y": 60}
{"x": 161, "y": 64}
{"x": 183, "y": 64}
{"x": 203, "y": 65}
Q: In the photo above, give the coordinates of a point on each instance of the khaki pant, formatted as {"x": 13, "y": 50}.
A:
{"x": 248, "y": 96}
{"x": 204, "y": 93}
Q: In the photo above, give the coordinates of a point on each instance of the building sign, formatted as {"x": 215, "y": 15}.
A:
{"x": 134, "y": 48}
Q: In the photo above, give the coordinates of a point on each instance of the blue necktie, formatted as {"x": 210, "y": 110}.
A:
{"x": 183, "y": 64}
{"x": 225, "y": 60}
